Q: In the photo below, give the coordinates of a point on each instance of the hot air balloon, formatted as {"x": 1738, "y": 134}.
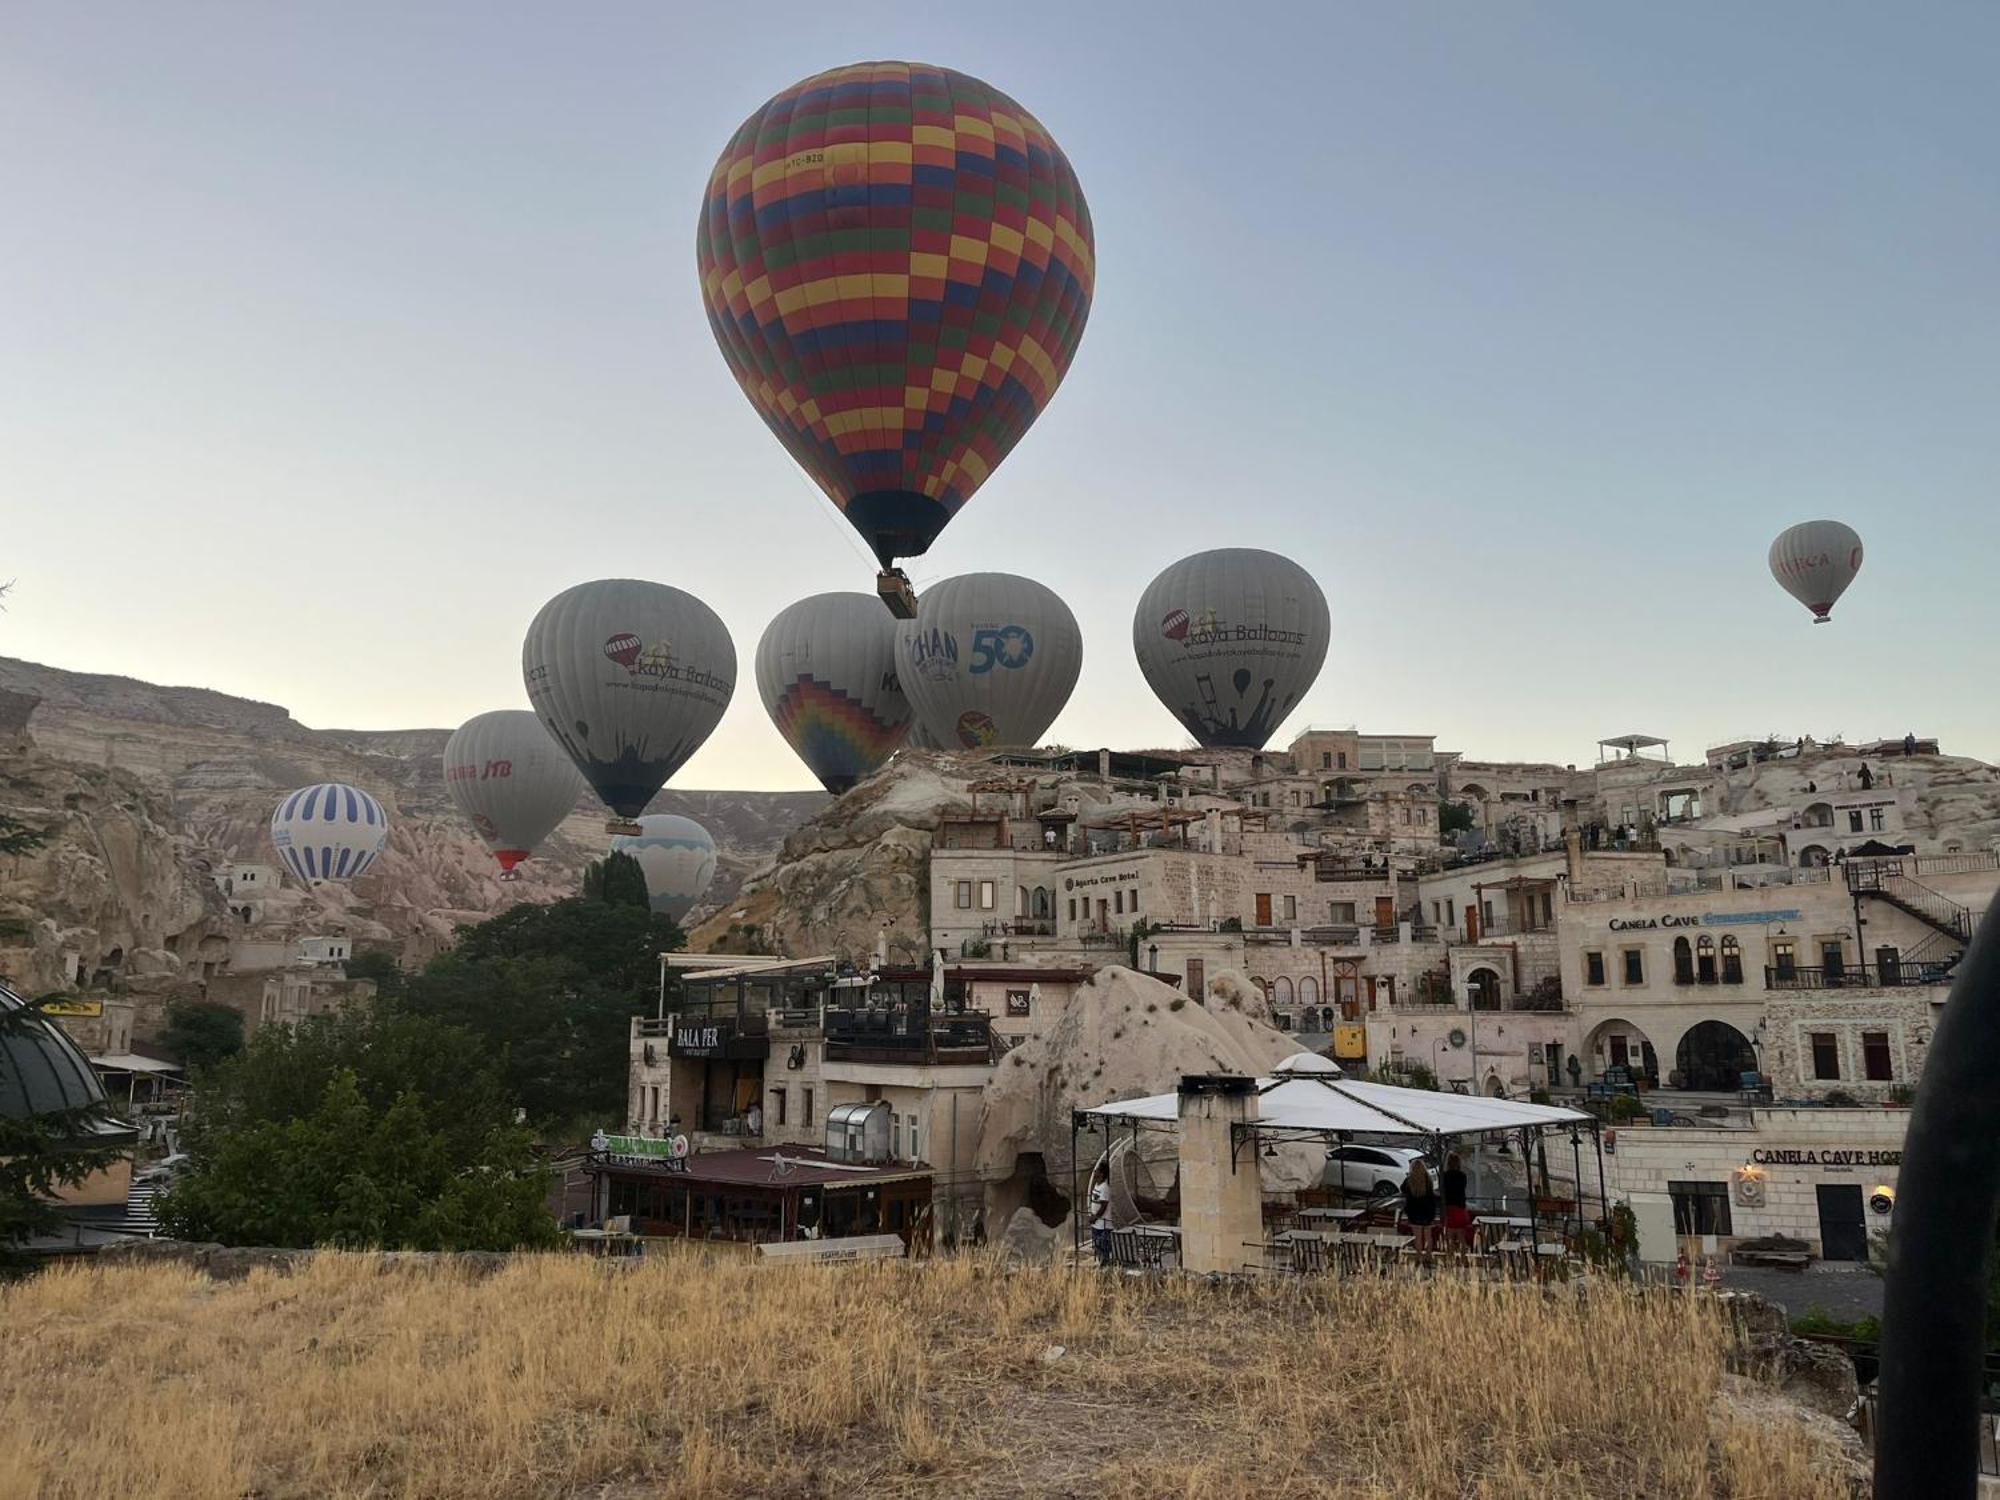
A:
{"x": 1814, "y": 562}
{"x": 897, "y": 262}
{"x": 1230, "y": 641}
{"x": 329, "y": 832}
{"x": 630, "y": 678}
{"x": 990, "y": 659}
{"x": 513, "y": 783}
{"x": 826, "y": 669}
{"x": 678, "y": 857}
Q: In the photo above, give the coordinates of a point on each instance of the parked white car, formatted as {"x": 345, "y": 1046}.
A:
{"x": 1369, "y": 1171}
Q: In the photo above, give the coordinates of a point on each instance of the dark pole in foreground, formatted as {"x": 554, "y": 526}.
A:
{"x": 1934, "y": 1313}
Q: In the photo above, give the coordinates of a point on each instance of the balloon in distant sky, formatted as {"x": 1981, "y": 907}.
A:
{"x": 897, "y": 262}
{"x": 630, "y": 678}
{"x": 1230, "y": 641}
{"x": 511, "y": 780}
{"x": 329, "y": 832}
{"x": 1814, "y": 562}
{"x": 990, "y": 659}
{"x": 678, "y": 857}
{"x": 826, "y": 669}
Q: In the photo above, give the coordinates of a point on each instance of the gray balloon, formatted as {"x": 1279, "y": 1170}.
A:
{"x": 1230, "y": 641}
{"x": 630, "y": 678}
{"x": 990, "y": 660}
{"x": 826, "y": 670}
{"x": 511, "y": 780}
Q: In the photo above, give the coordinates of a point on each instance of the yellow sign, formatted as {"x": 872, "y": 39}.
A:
{"x": 74, "y": 1005}
{"x": 1350, "y": 1041}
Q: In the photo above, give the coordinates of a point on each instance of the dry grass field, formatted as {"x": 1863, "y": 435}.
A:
{"x": 709, "y": 1377}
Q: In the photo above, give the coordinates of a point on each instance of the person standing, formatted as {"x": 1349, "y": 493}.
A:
{"x": 1420, "y": 1205}
{"x": 1457, "y": 1212}
{"x": 1100, "y": 1213}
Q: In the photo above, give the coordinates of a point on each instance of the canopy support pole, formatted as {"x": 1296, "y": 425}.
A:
{"x": 1576, "y": 1176}
{"x": 1075, "y": 1232}
{"x": 1534, "y": 1224}
{"x": 1603, "y": 1192}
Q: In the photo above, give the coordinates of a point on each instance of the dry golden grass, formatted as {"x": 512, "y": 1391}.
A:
{"x": 700, "y": 1377}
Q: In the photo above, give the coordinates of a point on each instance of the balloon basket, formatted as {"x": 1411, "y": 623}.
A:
{"x": 621, "y": 826}
{"x": 893, "y": 588}
{"x": 510, "y": 874}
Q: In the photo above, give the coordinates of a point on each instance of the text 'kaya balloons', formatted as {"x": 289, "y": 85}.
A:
{"x": 1230, "y": 640}
{"x": 678, "y": 858}
{"x": 630, "y": 678}
{"x": 1814, "y": 562}
{"x": 826, "y": 670}
{"x": 329, "y": 832}
{"x": 990, "y": 659}
{"x": 897, "y": 263}
{"x": 513, "y": 783}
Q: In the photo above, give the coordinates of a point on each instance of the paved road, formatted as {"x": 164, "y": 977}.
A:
{"x": 1845, "y": 1294}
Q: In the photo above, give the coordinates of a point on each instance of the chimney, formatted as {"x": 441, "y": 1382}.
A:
{"x": 1222, "y": 1193}
{"x": 1573, "y": 852}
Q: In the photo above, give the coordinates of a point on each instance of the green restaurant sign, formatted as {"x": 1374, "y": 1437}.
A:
{"x": 670, "y": 1152}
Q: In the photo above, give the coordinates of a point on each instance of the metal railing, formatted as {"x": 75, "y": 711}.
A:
{"x": 1856, "y": 976}
{"x": 1886, "y": 878}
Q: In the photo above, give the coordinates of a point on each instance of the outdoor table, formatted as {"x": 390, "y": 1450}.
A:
{"x": 1336, "y": 1215}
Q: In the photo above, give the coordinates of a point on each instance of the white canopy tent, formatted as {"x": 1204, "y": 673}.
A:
{"x": 1307, "y": 1098}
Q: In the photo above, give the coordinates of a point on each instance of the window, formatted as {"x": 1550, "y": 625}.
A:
{"x": 1072, "y": 908}
{"x": 1732, "y": 961}
{"x": 1875, "y": 1057}
{"x": 1683, "y": 961}
{"x": 1635, "y": 966}
{"x": 1825, "y": 1054}
{"x": 986, "y": 895}
{"x": 965, "y": 895}
{"x": 778, "y": 1105}
{"x": 806, "y": 1107}
{"x": 1704, "y": 959}
{"x": 1700, "y": 1207}
{"x": 1132, "y": 899}
{"x": 1875, "y": 819}
{"x": 1854, "y": 821}
{"x": 1340, "y": 913}
{"x": 1450, "y": 914}
{"x": 1118, "y": 902}
{"x": 1593, "y": 968}
{"x": 1342, "y": 759}
{"x": 1017, "y": 1003}
{"x": 1326, "y": 760}
{"x": 1291, "y": 908}
{"x": 1785, "y": 958}
{"x": 1437, "y": 913}
{"x": 916, "y": 1144}
{"x": 1833, "y": 959}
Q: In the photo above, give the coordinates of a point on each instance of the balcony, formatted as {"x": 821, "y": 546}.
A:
{"x": 883, "y": 1036}
{"x": 1859, "y": 976}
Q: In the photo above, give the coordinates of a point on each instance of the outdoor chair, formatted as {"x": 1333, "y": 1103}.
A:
{"x": 1308, "y": 1254}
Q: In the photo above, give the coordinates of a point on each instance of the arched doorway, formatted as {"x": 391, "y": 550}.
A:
{"x": 1620, "y": 1044}
{"x": 1494, "y": 1088}
{"x": 1714, "y": 1056}
{"x": 1485, "y": 986}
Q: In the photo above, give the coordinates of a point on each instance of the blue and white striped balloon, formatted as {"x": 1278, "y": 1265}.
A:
{"x": 329, "y": 832}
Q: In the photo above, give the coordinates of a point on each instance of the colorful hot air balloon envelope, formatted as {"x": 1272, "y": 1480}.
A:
{"x": 990, "y": 660}
{"x": 678, "y": 857}
{"x": 897, "y": 263}
{"x": 1230, "y": 641}
{"x": 512, "y": 782}
{"x": 1814, "y": 562}
{"x": 826, "y": 669}
{"x": 329, "y": 832}
{"x": 629, "y": 678}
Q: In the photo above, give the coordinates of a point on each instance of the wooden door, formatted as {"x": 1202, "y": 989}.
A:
{"x": 1385, "y": 911}
{"x": 1263, "y": 909}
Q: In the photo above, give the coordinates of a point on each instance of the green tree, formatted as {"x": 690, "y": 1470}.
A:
{"x": 552, "y": 990}
{"x": 379, "y": 965}
{"x": 366, "y": 1129}
{"x": 1454, "y": 817}
{"x": 201, "y": 1033}
{"x": 41, "y": 1154}
{"x": 617, "y": 879}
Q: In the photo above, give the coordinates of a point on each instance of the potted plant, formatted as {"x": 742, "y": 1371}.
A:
{"x": 1898, "y": 1096}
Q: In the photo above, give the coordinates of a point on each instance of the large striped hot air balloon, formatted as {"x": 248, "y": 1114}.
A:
{"x": 826, "y": 669}
{"x": 329, "y": 832}
{"x": 897, "y": 263}
{"x": 1814, "y": 562}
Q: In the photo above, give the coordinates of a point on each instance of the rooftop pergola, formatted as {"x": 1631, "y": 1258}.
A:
{"x": 1631, "y": 746}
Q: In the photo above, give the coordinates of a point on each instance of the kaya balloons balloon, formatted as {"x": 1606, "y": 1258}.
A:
{"x": 678, "y": 857}
{"x": 826, "y": 670}
{"x": 1230, "y": 641}
{"x": 990, "y": 659}
{"x": 511, "y": 780}
{"x": 897, "y": 263}
{"x": 1814, "y": 562}
{"x": 331, "y": 831}
{"x": 630, "y": 678}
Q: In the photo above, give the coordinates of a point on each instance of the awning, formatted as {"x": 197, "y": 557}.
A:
{"x": 133, "y": 1062}
{"x": 1320, "y": 1101}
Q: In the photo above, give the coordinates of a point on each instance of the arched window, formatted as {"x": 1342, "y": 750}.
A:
{"x": 1732, "y": 961}
{"x": 1309, "y": 991}
{"x": 1683, "y": 962}
{"x": 1281, "y": 991}
{"x": 1020, "y": 900}
{"x": 1704, "y": 959}
{"x": 1044, "y": 903}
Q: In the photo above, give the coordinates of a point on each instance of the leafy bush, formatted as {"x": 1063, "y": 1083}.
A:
{"x": 1539, "y": 1096}
{"x": 1839, "y": 1099}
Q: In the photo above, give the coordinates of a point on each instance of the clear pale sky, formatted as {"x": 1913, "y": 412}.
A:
{"x": 334, "y": 339}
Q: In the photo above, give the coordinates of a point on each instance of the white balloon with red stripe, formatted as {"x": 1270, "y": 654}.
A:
{"x": 330, "y": 831}
{"x": 1814, "y": 562}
